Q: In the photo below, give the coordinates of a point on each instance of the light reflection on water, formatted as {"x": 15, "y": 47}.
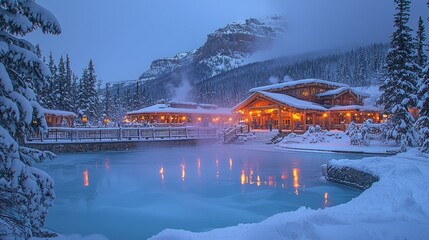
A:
{"x": 141, "y": 193}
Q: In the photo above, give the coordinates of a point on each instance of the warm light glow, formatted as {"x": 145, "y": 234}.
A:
{"x": 271, "y": 181}
{"x": 230, "y": 164}
{"x": 183, "y": 171}
{"x": 325, "y": 115}
{"x": 295, "y": 172}
{"x": 85, "y": 178}
{"x": 258, "y": 181}
{"x": 251, "y": 176}
{"x": 106, "y": 120}
{"x": 326, "y": 198}
{"x": 183, "y": 118}
{"x": 230, "y": 119}
{"x": 199, "y": 118}
{"x": 247, "y": 120}
{"x": 284, "y": 176}
{"x": 243, "y": 177}
{"x": 84, "y": 119}
{"x": 250, "y": 112}
{"x": 348, "y": 114}
{"x": 296, "y": 116}
{"x": 162, "y": 117}
{"x": 161, "y": 172}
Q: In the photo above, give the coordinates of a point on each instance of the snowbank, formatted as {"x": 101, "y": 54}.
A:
{"x": 334, "y": 141}
{"x": 395, "y": 207}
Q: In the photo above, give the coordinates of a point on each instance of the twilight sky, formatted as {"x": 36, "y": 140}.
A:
{"x": 124, "y": 37}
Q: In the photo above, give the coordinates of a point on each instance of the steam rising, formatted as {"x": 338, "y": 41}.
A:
{"x": 182, "y": 93}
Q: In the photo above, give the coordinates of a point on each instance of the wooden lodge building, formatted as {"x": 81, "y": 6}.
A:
{"x": 181, "y": 113}
{"x": 296, "y": 105}
{"x": 59, "y": 118}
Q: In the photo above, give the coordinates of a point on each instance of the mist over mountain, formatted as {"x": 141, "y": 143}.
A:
{"x": 219, "y": 71}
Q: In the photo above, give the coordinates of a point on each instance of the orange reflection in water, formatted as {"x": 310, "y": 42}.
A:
{"x": 85, "y": 178}
{"x": 243, "y": 177}
{"x": 217, "y": 168}
{"x": 258, "y": 181}
{"x": 271, "y": 181}
{"x": 199, "y": 166}
{"x": 230, "y": 164}
{"x": 161, "y": 172}
{"x": 183, "y": 171}
{"x": 326, "y": 198}
{"x": 295, "y": 172}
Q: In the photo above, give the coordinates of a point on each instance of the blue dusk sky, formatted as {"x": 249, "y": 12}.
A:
{"x": 124, "y": 37}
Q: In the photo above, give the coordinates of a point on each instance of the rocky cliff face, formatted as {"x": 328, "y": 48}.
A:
{"x": 225, "y": 49}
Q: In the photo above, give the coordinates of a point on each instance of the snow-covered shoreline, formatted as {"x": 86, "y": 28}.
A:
{"x": 393, "y": 208}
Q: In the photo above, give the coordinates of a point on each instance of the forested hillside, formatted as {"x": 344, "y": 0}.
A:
{"x": 358, "y": 67}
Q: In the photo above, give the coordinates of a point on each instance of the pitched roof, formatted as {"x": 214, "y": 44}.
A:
{"x": 286, "y": 100}
{"x": 340, "y": 90}
{"x": 165, "y": 108}
{"x": 295, "y": 83}
{"x": 58, "y": 112}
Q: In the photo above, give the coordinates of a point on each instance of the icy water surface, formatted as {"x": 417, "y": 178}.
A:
{"x": 138, "y": 194}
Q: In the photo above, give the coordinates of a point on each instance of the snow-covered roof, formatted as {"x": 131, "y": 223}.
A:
{"x": 291, "y": 101}
{"x": 295, "y": 83}
{"x": 59, "y": 112}
{"x": 340, "y": 90}
{"x": 165, "y": 108}
{"x": 354, "y": 107}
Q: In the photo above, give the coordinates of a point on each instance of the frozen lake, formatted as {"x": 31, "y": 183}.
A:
{"x": 139, "y": 193}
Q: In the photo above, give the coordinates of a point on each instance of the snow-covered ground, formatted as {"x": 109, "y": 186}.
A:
{"x": 336, "y": 141}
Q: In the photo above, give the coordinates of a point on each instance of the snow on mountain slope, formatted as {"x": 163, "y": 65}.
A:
{"x": 225, "y": 49}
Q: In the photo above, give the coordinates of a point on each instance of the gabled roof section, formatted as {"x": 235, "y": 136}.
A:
{"x": 59, "y": 113}
{"x": 282, "y": 99}
{"x": 297, "y": 82}
{"x": 341, "y": 90}
{"x": 166, "y": 108}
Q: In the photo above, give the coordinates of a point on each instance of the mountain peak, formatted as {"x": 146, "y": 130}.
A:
{"x": 225, "y": 49}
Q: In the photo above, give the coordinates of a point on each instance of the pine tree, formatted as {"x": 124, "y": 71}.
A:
{"x": 74, "y": 94}
{"x": 422, "y": 123}
{"x": 399, "y": 86}
{"x": 67, "y": 93}
{"x": 88, "y": 93}
{"x": 136, "y": 97}
{"x": 60, "y": 86}
{"x": 107, "y": 103}
{"x": 421, "y": 57}
{"x": 49, "y": 92}
{"x": 119, "y": 110}
{"x": 25, "y": 190}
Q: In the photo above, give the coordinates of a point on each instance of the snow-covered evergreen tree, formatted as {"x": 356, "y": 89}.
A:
{"x": 26, "y": 190}
{"x": 88, "y": 93}
{"x": 59, "y": 85}
{"x": 118, "y": 109}
{"x": 422, "y": 123}
{"x": 399, "y": 86}
{"x": 421, "y": 57}
{"x": 136, "y": 97}
{"x": 107, "y": 108}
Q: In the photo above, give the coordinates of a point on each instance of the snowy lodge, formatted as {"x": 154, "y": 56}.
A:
{"x": 181, "y": 113}
{"x": 59, "y": 118}
{"x": 296, "y": 105}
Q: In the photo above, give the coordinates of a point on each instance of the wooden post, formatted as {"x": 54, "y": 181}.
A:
{"x": 305, "y": 121}
{"x": 280, "y": 118}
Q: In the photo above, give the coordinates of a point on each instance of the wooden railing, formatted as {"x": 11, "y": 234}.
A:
{"x": 100, "y": 134}
{"x": 232, "y": 133}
